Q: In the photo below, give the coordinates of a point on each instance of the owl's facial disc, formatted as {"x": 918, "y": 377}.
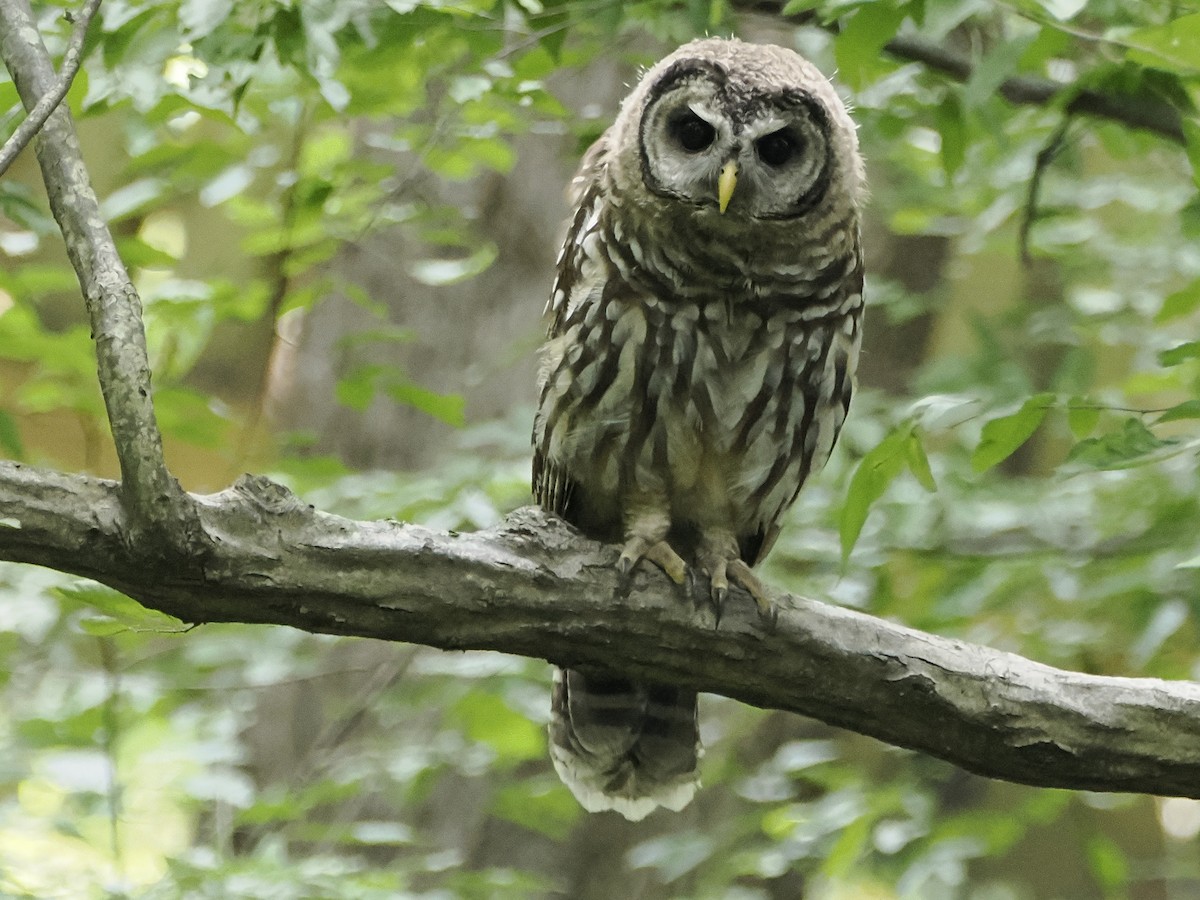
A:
{"x": 703, "y": 134}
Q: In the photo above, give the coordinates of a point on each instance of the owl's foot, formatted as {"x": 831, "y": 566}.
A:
{"x": 660, "y": 553}
{"x": 719, "y": 559}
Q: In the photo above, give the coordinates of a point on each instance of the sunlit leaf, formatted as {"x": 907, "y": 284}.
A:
{"x": 1083, "y": 416}
{"x": 1180, "y": 353}
{"x": 543, "y": 807}
{"x": 1172, "y": 46}
{"x": 1003, "y": 436}
{"x": 875, "y": 472}
{"x": 121, "y": 613}
{"x": 859, "y": 45}
{"x": 918, "y": 462}
{"x": 448, "y": 408}
{"x": 1108, "y": 862}
{"x": 487, "y": 718}
{"x": 1189, "y": 409}
{"x": 10, "y": 436}
{"x": 436, "y": 272}
{"x": 1180, "y": 303}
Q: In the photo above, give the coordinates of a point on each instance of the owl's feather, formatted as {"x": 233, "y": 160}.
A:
{"x": 699, "y": 363}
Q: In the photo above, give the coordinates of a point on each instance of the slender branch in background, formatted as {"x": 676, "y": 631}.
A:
{"x": 1049, "y": 152}
{"x": 161, "y": 517}
{"x": 110, "y": 713}
{"x": 1145, "y": 113}
{"x": 41, "y": 112}
{"x": 280, "y": 282}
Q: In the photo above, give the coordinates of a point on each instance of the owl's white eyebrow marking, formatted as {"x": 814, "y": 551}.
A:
{"x": 705, "y": 112}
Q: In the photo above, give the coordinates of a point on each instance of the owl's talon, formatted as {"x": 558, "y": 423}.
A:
{"x": 767, "y": 610}
{"x": 660, "y": 553}
{"x": 664, "y": 556}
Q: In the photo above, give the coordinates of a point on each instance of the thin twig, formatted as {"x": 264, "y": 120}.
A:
{"x": 1148, "y": 114}
{"x": 111, "y": 721}
{"x": 1049, "y": 152}
{"x": 66, "y": 76}
{"x": 163, "y": 521}
{"x": 1151, "y": 114}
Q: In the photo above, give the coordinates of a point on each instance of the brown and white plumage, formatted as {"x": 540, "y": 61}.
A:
{"x": 704, "y": 331}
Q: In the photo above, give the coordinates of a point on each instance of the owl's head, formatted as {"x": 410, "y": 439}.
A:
{"x": 737, "y": 131}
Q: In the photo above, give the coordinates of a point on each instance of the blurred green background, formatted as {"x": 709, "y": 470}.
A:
{"x": 343, "y": 216}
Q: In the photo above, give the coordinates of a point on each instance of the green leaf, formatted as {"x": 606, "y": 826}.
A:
{"x": 1108, "y": 863}
{"x": 137, "y": 254}
{"x": 998, "y": 64}
{"x": 1189, "y": 409}
{"x": 875, "y": 472}
{"x": 1119, "y": 450}
{"x": 952, "y": 126}
{"x": 438, "y": 272}
{"x": 357, "y": 388}
{"x": 549, "y": 809}
{"x": 10, "y": 436}
{"x": 1063, "y": 10}
{"x": 859, "y": 47}
{"x": 120, "y": 613}
{"x": 918, "y": 462}
{"x": 1001, "y": 437}
{"x": 1180, "y": 353}
{"x": 1185, "y": 300}
{"x": 488, "y": 719}
{"x": 448, "y": 408}
{"x": 1191, "y": 137}
{"x": 1082, "y": 416}
{"x": 1173, "y": 47}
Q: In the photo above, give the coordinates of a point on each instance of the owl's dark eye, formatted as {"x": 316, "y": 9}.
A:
{"x": 776, "y": 148}
{"x": 692, "y": 132}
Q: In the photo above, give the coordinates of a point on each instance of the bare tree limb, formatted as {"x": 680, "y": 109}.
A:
{"x": 534, "y": 587}
{"x": 160, "y": 514}
{"x": 49, "y": 102}
{"x": 1145, "y": 113}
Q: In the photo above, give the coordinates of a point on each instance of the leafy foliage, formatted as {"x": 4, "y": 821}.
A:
{"x": 1019, "y": 468}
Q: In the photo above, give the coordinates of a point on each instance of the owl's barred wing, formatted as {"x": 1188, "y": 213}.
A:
{"x": 553, "y": 486}
{"x": 826, "y": 385}
{"x": 588, "y": 173}
{"x": 585, "y": 193}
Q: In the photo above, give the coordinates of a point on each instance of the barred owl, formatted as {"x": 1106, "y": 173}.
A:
{"x": 704, "y": 331}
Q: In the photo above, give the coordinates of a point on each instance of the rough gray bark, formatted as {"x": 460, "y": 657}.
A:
{"x": 48, "y": 102}
{"x": 534, "y": 587}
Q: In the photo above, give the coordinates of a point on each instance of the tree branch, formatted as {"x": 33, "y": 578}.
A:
{"x": 39, "y": 114}
{"x": 160, "y": 514}
{"x": 1141, "y": 112}
{"x": 534, "y": 587}
{"x": 1145, "y": 113}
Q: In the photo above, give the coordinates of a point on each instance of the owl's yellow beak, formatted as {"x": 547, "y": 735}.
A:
{"x": 726, "y": 182}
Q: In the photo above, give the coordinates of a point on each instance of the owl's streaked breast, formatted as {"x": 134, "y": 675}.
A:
{"x": 726, "y": 407}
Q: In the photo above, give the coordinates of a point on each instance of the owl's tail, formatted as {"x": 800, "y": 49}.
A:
{"x": 622, "y": 745}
